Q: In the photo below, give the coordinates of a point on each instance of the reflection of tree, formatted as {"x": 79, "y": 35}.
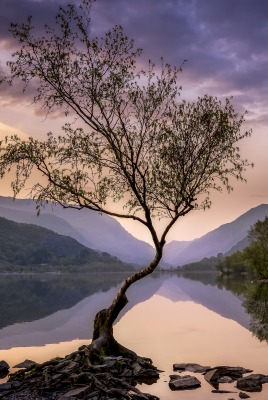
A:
{"x": 240, "y": 286}
{"x": 256, "y": 305}
{"x": 207, "y": 278}
{"x": 255, "y": 301}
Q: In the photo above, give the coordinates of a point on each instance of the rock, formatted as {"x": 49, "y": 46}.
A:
{"x": 75, "y": 393}
{"x": 264, "y": 379}
{"x": 94, "y": 395}
{"x": 179, "y": 367}
{"x": 251, "y": 383}
{"x": 215, "y": 375}
{"x": 178, "y": 382}
{"x": 243, "y": 395}
{"x": 74, "y": 377}
{"x": 4, "y": 369}
{"x": 3, "y": 374}
{"x": 25, "y": 364}
{"x": 197, "y": 368}
{"x": 191, "y": 368}
{"x": 4, "y": 366}
{"x": 147, "y": 374}
{"x": 233, "y": 372}
{"x": 8, "y": 386}
{"x": 5, "y": 387}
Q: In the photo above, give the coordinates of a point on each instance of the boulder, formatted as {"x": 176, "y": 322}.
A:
{"x": 178, "y": 382}
{"x": 251, "y": 383}
{"x": 4, "y": 366}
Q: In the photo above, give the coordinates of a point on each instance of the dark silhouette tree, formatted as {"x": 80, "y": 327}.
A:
{"x": 136, "y": 142}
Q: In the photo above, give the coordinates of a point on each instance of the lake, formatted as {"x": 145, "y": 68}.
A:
{"x": 170, "y": 318}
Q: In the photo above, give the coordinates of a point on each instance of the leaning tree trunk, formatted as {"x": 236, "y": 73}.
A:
{"x": 103, "y": 341}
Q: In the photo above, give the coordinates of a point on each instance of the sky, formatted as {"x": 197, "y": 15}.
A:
{"x": 225, "y": 43}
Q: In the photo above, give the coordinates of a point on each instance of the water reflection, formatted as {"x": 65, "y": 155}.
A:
{"x": 27, "y": 297}
{"x": 255, "y": 302}
{"x": 256, "y": 305}
{"x": 169, "y": 318}
{"x": 38, "y": 310}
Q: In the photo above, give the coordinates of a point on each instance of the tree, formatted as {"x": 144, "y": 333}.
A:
{"x": 136, "y": 144}
{"x": 257, "y": 251}
{"x": 237, "y": 264}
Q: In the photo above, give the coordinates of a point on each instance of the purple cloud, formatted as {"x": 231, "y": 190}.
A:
{"x": 224, "y": 41}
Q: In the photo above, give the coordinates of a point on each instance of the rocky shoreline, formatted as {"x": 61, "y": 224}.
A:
{"x": 216, "y": 376}
{"x": 74, "y": 377}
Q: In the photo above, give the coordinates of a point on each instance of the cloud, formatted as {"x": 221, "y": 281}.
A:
{"x": 13, "y": 11}
{"x": 224, "y": 41}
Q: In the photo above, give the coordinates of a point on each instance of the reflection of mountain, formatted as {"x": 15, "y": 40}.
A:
{"x": 76, "y": 322}
{"x": 30, "y": 297}
{"x": 221, "y": 301}
{"x": 99, "y": 232}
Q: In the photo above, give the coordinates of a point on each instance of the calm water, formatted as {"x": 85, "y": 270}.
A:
{"x": 169, "y": 318}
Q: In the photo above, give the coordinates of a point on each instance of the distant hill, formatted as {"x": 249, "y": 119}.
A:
{"x": 105, "y": 234}
{"x": 30, "y": 245}
{"x": 99, "y": 232}
{"x": 228, "y": 237}
{"x": 238, "y": 246}
{"x": 173, "y": 250}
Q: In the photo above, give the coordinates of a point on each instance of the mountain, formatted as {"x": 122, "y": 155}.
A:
{"x": 221, "y": 240}
{"x": 46, "y": 220}
{"x": 30, "y": 245}
{"x": 173, "y": 250}
{"x": 238, "y": 246}
{"x": 104, "y": 233}
{"x": 99, "y": 232}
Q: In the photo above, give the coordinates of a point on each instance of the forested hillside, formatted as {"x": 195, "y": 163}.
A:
{"x": 30, "y": 245}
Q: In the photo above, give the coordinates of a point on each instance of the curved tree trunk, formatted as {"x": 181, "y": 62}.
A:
{"x": 103, "y": 341}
